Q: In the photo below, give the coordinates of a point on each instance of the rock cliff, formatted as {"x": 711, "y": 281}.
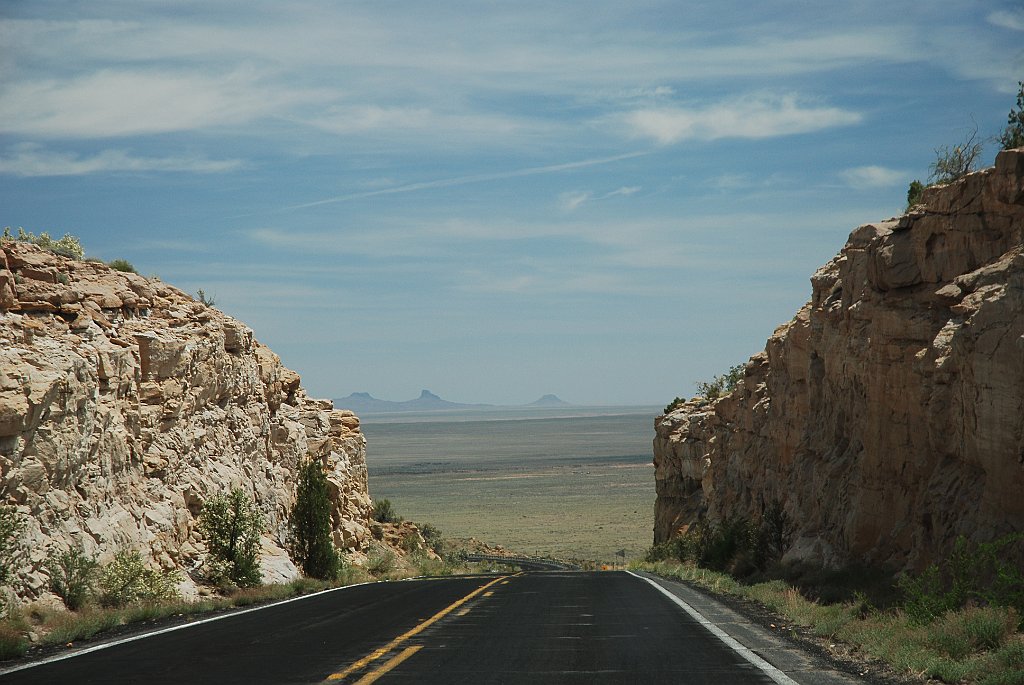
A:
{"x": 124, "y": 404}
{"x": 888, "y": 415}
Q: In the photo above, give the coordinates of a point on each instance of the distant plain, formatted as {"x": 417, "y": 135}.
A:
{"x": 570, "y": 483}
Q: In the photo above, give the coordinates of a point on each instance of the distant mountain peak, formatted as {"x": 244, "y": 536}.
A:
{"x": 364, "y": 402}
{"x": 549, "y": 401}
{"x": 427, "y": 401}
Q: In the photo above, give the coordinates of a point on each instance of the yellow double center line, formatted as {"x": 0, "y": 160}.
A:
{"x": 394, "y": 644}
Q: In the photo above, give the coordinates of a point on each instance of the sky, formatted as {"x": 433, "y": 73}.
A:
{"x": 608, "y": 201}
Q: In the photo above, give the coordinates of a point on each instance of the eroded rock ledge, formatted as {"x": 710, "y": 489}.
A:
{"x": 124, "y": 404}
{"x": 888, "y": 415}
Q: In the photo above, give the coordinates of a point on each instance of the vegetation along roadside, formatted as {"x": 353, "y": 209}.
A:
{"x": 126, "y": 594}
{"x": 958, "y": 621}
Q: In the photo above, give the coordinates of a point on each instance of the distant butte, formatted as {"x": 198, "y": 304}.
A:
{"x": 365, "y": 403}
{"x": 549, "y": 401}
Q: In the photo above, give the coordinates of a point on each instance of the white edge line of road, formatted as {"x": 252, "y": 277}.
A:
{"x": 189, "y": 624}
{"x": 745, "y": 652}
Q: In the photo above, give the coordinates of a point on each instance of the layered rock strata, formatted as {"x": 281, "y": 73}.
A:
{"x": 125, "y": 404}
{"x": 888, "y": 415}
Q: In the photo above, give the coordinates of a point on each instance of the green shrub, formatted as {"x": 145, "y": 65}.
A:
{"x": 68, "y": 246}
{"x": 966, "y": 631}
{"x": 380, "y": 562}
{"x": 433, "y": 537}
{"x": 232, "y": 525}
{"x": 13, "y": 641}
{"x": 677, "y": 549}
{"x": 205, "y": 298}
{"x": 312, "y": 546}
{"x": 721, "y": 385}
{"x": 72, "y": 576}
{"x": 984, "y": 572}
{"x": 999, "y": 580}
{"x": 673, "y": 405}
{"x": 122, "y": 265}
{"x": 410, "y": 542}
{"x": 727, "y": 544}
{"x": 384, "y": 512}
{"x": 775, "y": 532}
{"x": 1015, "y": 677}
{"x": 1013, "y": 135}
{"x": 1011, "y": 655}
{"x": 126, "y": 580}
{"x": 12, "y": 546}
{"x": 734, "y": 544}
{"x": 914, "y": 193}
{"x": 925, "y": 599}
{"x": 459, "y": 556}
{"x": 426, "y": 566}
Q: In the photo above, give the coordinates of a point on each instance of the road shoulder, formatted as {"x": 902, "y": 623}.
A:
{"x": 794, "y": 659}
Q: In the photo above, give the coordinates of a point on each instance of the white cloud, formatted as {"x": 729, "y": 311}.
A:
{"x": 730, "y": 182}
{"x": 624, "y": 190}
{"x": 348, "y": 68}
{"x": 1008, "y": 19}
{"x": 32, "y": 160}
{"x": 643, "y": 243}
{"x": 756, "y": 116}
{"x": 419, "y": 120}
{"x": 120, "y": 102}
{"x": 572, "y": 200}
{"x": 872, "y": 176}
{"x": 499, "y": 46}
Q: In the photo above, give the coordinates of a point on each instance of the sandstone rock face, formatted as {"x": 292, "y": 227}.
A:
{"x": 125, "y": 404}
{"x": 888, "y": 415}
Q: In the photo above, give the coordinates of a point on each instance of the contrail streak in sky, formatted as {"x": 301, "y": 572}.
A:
{"x": 465, "y": 180}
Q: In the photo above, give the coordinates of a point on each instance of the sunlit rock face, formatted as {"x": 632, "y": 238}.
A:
{"x": 888, "y": 415}
{"x": 125, "y": 404}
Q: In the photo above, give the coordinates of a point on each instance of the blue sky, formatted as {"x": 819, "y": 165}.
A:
{"x": 607, "y": 201}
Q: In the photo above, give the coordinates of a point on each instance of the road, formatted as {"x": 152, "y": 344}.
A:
{"x": 540, "y": 627}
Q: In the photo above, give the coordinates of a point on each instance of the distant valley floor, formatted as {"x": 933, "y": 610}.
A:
{"x": 578, "y": 487}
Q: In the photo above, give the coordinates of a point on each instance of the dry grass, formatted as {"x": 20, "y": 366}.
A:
{"x": 54, "y": 627}
{"x": 588, "y": 511}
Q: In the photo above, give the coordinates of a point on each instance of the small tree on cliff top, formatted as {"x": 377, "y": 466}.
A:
{"x": 233, "y": 525}
{"x": 1013, "y": 135}
{"x": 954, "y": 163}
{"x": 310, "y": 522}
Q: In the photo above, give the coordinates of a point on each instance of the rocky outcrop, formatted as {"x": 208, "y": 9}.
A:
{"x": 125, "y": 404}
{"x": 888, "y": 415}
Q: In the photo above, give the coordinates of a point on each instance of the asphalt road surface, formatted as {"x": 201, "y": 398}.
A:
{"x": 541, "y": 627}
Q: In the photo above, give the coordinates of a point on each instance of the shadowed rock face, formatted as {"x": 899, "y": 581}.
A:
{"x": 888, "y": 415}
{"x": 125, "y": 404}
